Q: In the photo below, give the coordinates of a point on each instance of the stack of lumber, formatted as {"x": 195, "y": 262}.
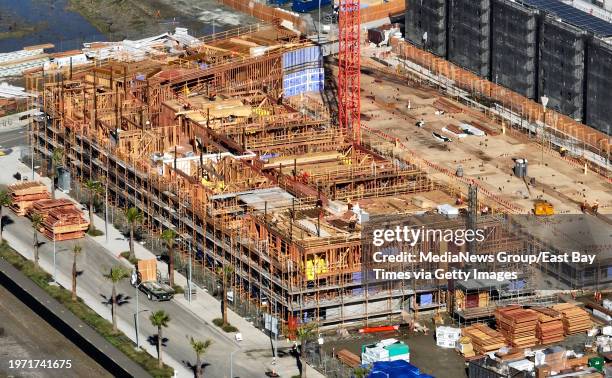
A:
{"x": 350, "y": 359}
{"x": 484, "y": 339}
{"x": 550, "y": 326}
{"x": 45, "y": 206}
{"x": 575, "y": 319}
{"x": 65, "y": 224}
{"x": 24, "y": 194}
{"x": 518, "y": 325}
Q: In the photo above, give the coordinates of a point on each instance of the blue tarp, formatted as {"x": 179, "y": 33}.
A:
{"x": 396, "y": 369}
{"x": 426, "y": 299}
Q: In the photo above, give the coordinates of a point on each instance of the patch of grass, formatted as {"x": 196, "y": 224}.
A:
{"x": 86, "y": 314}
{"x": 178, "y": 289}
{"x": 126, "y": 255}
{"x": 227, "y": 327}
{"x": 94, "y": 232}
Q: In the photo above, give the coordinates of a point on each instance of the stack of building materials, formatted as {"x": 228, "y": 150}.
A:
{"x": 465, "y": 347}
{"x": 24, "y": 194}
{"x": 65, "y": 224}
{"x": 550, "y": 326}
{"x": 575, "y": 319}
{"x": 349, "y": 358}
{"x": 385, "y": 350}
{"x": 518, "y": 325}
{"x": 61, "y": 219}
{"x": 43, "y": 207}
{"x": 446, "y": 337}
{"x": 484, "y": 339}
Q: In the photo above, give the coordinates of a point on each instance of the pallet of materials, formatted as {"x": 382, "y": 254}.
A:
{"x": 484, "y": 339}
{"x": 575, "y": 319}
{"x": 349, "y": 358}
{"x": 45, "y": 206}
{"x": 65, "y": 224}
{"x": 518, "y": 325}
{"x": 24, "y": 194}
{"x": 550, "y": 326}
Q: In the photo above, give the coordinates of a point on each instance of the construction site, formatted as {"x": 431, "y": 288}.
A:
{"x": 265, "y": 155}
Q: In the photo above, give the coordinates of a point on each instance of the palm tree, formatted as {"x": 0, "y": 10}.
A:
{"x": 199, "y": 347}
{"x": 169, "y": 236}
{"x": 160, "y": 320}
{"x": 226, "y": 273}
{"x": 75, "y": 251}
{"x": 5, "y": 200}
{"x": 56, "y": 161}
{"x": 94, "y": 188}
{"x": 116, "y": 274}
{"x": 304, "y": 334}
{"x": 37, "y": 220}
{"x": 133, "y": 217}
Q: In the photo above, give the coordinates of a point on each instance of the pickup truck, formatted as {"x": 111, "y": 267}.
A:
{"x": 146, "y": 279}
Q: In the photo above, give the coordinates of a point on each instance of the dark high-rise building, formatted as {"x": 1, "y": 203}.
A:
{"x": 426, "y": 25}
{"x": 468, "y": 34}
{"x": 599, "y": 85}
{"x": 561, "y": 66}
{"x": 514, "y": 46}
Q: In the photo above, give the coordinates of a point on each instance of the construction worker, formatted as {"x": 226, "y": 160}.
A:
{"x": 584, "y": 206}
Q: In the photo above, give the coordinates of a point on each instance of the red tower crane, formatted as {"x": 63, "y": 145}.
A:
{"x": 349, "y": 65}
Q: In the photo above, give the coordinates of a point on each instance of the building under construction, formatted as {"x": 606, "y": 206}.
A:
{"x": 246, "y": 175}
{"x": 228, "y": 142}
{"x": 533, "y": 47}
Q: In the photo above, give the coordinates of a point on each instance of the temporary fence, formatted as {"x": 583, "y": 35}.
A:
{"x": 561, "y": 126}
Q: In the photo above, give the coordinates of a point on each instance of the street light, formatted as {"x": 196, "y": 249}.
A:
{"x": 54, "y": 282}
{"x": 544, "y": 100}
{"x": 136, "y": 284}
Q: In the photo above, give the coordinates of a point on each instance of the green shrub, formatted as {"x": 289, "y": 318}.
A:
{"x": 126, "y": 255}
{"x": 229, "y": 328}
{"x": 94, "y": 232}
{"x": 86, "y": 314}
{"x": 178, "y": 289}
{"x": 218, "y": 322}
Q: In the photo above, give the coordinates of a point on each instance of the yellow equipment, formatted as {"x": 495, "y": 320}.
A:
{"x": 543, "y": 208}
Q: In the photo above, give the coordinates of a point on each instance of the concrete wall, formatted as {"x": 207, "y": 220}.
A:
{"x": 514, "y": 47}
{"x": 469, "y": 34}
{"x": 427, "y": 16}
{"x": 562, "y": 52}
{"x": 599, "y": 86}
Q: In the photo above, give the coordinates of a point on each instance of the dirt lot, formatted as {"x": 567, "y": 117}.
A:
{"x": 424, "y": 353}
{"x": 27, "y": 336}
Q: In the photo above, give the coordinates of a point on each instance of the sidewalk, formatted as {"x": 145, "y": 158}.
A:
{"x": 204, "y": 306}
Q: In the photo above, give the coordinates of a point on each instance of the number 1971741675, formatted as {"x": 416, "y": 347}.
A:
{"x": 40, "y": 364}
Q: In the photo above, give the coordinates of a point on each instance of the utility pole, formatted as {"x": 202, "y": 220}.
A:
{"x": 544, "y": 104}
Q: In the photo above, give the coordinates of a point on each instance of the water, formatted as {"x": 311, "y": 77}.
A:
{"x": 52, "y": 21}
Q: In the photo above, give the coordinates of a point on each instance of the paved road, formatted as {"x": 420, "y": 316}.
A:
{"x": 28, "y": 336}
{"x": 93, "y": 285}
{"x": 13, "y": 138}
